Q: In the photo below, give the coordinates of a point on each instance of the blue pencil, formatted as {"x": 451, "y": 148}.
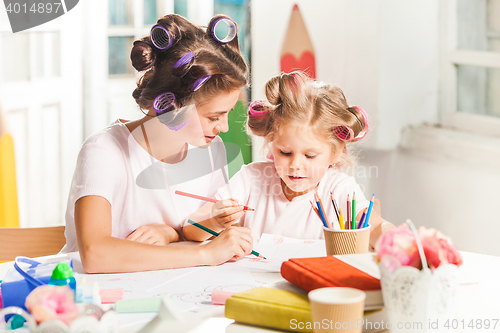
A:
{"x": 362, "y": 220}
{"x": 369, "y": 211}
{"x": 320, "y": 210}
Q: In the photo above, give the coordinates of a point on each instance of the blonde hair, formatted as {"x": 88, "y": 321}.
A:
{"x": 294, "y": 98}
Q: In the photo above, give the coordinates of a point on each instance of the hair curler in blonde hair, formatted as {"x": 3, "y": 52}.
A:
{"x": 346, "y": 133}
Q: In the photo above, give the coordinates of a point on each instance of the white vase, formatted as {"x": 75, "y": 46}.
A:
{"x": 419, "y": 300}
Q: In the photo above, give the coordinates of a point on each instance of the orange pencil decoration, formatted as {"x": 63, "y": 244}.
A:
{"x": 199, "y": 197}
{"x": 297, "y": 52}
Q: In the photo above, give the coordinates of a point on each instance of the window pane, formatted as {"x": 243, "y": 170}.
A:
{"x": 238, "y": 11}
{"x": 478, "y": 90}
{"x": 181, "y": 7}
{"x": 120, "y": 12}
{"x": 119, "y": 55}
{"x": 15, "y": 63}
{"x": 478, "y": 25}
{"x": 48, "y": 54}
{"x": 150, "y": 12}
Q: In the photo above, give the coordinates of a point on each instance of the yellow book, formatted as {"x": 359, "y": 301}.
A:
{"x": 286, "y": 311}
{"x": 273, "y": 308}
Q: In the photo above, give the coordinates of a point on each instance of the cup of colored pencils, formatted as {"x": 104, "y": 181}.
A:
{"x": 353, "y": 236}
{"x": 347, "y": 241}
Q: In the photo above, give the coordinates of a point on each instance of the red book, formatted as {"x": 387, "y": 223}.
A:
{"x": 314, "y": 273}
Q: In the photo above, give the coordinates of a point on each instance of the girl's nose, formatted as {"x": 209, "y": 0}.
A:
{"x": 295, "y": 163}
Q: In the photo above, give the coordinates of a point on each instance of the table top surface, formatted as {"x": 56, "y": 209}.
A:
{"x": 477, "y": 299}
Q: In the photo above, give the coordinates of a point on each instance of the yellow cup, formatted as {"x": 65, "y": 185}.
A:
{"x": 347, "y": 241}
{"x": 337, "y": 309}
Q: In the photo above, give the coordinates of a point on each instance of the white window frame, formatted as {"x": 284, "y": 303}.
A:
{"x": 452, "y": 56}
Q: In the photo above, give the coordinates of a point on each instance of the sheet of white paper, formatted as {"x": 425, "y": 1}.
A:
{"x": 191, "y": 288}
{"x": 278, "y": 249}
{"x": 363, "y": 261}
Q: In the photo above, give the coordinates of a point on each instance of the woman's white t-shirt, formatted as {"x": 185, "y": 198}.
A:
{"x": 140, "y": 189}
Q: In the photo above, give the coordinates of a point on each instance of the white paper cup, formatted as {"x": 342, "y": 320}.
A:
{"x": 337, "y": 309}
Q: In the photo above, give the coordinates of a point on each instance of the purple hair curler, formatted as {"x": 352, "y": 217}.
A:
{"x": 199, "y": 82}
{"x": 160, "y": 37}
{"x": 185, "y": 59}
{"x": 345, "y": 133}
{"x": 232, "y": 30}
{"x": 163, "y": 102}
{"x": 257, "y": 108}
{"x": 178, "y": 127}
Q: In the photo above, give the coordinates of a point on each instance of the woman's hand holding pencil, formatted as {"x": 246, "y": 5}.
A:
{"x": 228, "y": 231}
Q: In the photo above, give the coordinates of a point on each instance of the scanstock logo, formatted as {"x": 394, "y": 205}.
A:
{"x": 26, "y": 14}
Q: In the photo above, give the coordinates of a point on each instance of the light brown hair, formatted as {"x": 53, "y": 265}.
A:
{"x": 294, "y": 98}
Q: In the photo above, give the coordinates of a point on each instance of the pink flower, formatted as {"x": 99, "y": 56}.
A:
{"x": 400, "y": 244}
{"x": 52, "y": 302}
{"x": 438, "y": 248}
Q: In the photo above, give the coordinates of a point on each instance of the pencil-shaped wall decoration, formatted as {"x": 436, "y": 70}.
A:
{"x": 9, "y": 214}
{"x": 297, "y": 52}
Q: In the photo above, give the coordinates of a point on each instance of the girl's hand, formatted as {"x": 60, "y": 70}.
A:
{"x": 232, "y": 243}
{"x": 225, "y": 213}
{"x": 156, "y": 234}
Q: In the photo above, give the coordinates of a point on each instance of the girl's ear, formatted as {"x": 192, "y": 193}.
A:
{"x": 337, "y": 155}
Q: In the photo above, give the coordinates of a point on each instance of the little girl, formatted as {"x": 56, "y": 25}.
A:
{"x": 121, "y": 209}
{"x": 306, "y": 125}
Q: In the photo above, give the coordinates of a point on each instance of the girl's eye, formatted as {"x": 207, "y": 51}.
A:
{"x": 285, "y": 153}
{"x": 213, "y": 119}
{"x": 310, "y": 156}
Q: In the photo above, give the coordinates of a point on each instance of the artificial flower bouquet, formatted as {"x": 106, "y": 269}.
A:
{"x": 419, "y": 275}
{"x": 53, "y": 309}
{"x": 398, "y": 247}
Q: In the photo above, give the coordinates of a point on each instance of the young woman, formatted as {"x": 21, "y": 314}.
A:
{"x": 122, "y": 211}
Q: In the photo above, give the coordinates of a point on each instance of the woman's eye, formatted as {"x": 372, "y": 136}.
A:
{"x": 310, "y": 156}
{"x": 213, "y": 119}
{"x": 285, "y": 153}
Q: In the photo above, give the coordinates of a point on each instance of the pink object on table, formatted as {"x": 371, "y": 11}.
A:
{"x": 110, "y": 296}
{"x": 219, "y": 297}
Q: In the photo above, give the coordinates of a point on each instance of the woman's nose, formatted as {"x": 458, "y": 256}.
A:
{"x": 223, "y": 125}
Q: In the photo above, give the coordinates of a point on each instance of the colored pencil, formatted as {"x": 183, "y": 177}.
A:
{"x": 362, "y": 220}
{"x": 354, "y": 210}
{"x": 214, "y": 233}
{"x": 367, "y": 218}
{"x": 199, "y": 197}
{"x": 315, "y": 210}
{"x": 324, "y": 212}
{"x": 341, "y": 219}
{"x": 335, "y": 207}
{"x": 322, "y": 216}
{"x": 348, "y": 221}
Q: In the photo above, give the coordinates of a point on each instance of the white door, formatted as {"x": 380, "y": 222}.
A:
{"x": 41, "y": 97}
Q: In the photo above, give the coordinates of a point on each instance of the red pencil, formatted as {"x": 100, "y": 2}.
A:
{"x": 315, "y": 209}
{"x": 199, "y": 197}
